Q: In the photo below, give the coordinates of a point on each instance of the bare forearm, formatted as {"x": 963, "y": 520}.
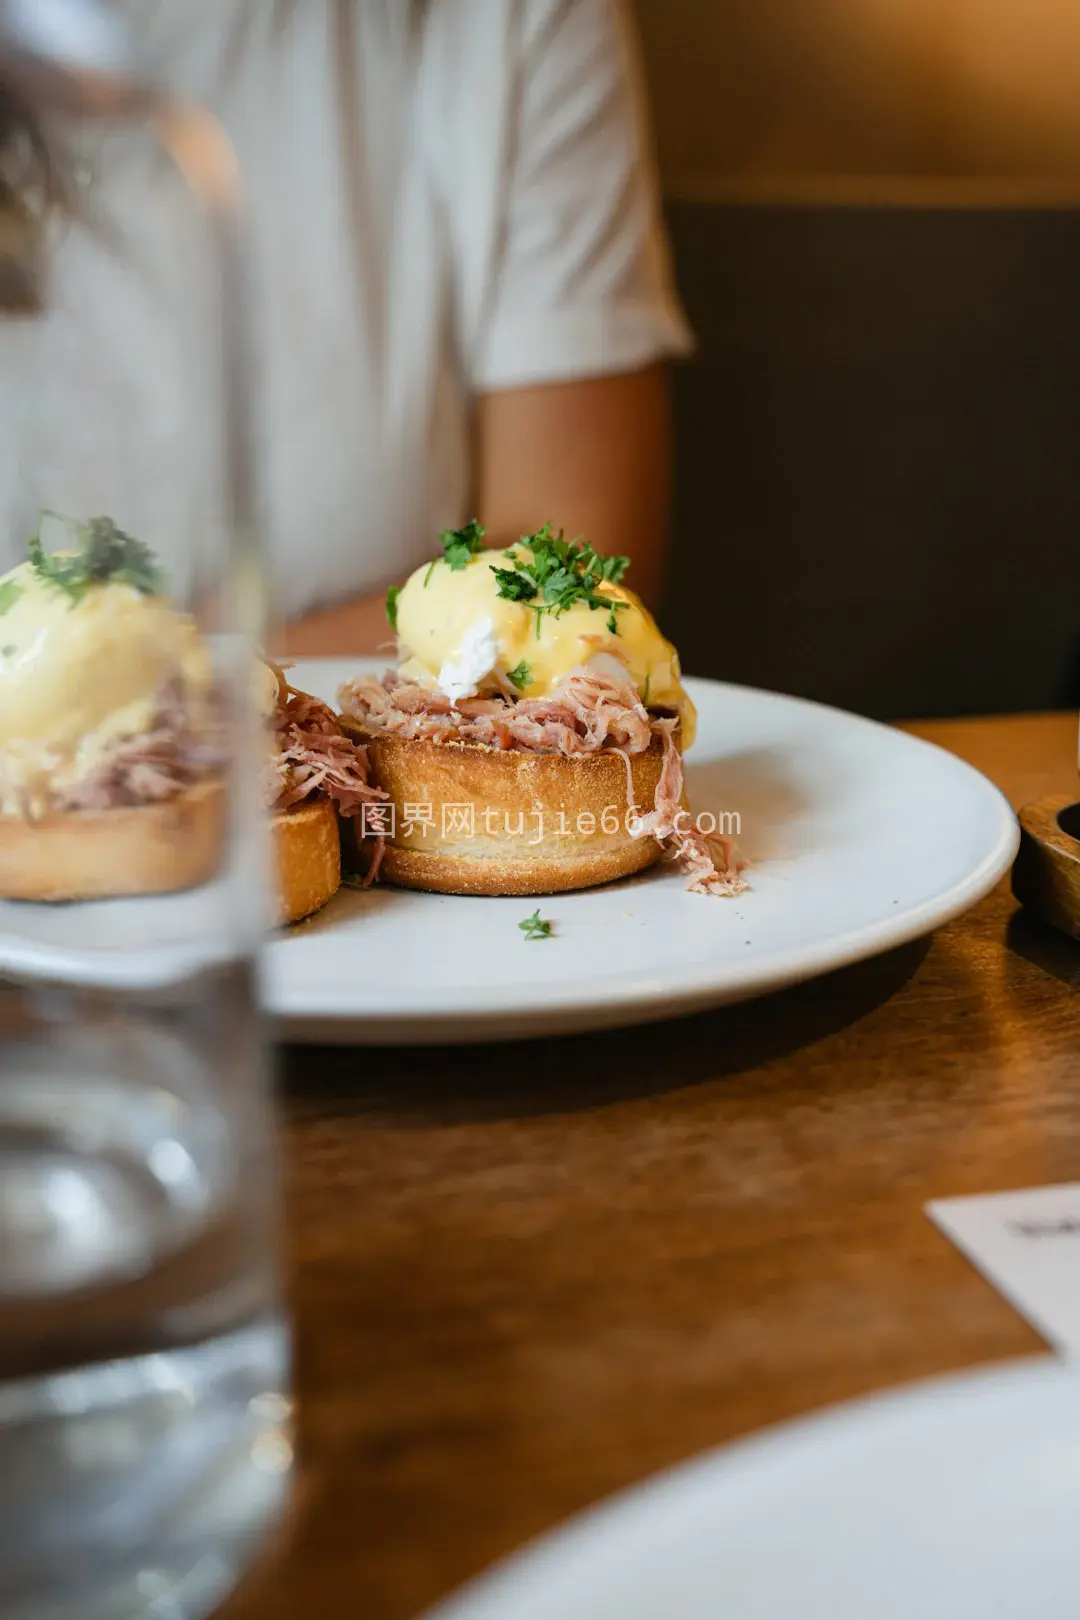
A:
{"x": 592, "y": 457}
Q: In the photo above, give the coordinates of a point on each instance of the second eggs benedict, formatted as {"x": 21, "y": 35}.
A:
{"x": 113, "y": 745}
{"x": 110, "y": 752}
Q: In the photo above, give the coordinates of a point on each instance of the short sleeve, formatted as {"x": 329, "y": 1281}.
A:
{"x": 581, "y": 281}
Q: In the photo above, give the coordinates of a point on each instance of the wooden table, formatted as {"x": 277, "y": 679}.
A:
{"x": 526, "y": 1276}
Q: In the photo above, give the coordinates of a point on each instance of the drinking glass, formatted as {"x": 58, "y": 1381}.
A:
{"x": 144, "y": 1414}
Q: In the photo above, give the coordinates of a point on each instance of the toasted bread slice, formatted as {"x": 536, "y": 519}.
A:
{"x": 307, "y": 858}
{"x": 163, "y": 848}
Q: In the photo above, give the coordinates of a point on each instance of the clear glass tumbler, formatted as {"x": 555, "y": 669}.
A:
{"x": 144, "y": 1417}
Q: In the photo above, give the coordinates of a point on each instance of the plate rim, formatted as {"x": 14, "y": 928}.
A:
{"x": 482, "y": 1597}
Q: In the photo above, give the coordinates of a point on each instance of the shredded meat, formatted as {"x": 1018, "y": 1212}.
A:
{"x": 589, "y": 713}
{"x": 177, "y": 752}
{"x": 181, "y": 749}
{"x": 711, "y": 863}
{"x": 314, "y": 756}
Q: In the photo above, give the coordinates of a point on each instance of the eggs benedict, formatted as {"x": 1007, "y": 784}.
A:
{"x": 475, "y": 621}
{"x": 110, "y": 749}
{"x": 539, "y": 716}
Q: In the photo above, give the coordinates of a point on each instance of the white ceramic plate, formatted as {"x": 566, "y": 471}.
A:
{"x": 954, "y": 1500}
{"x": 861, "y": 838}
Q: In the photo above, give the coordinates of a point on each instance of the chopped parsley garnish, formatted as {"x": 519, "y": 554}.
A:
{"x": 8, "y": 652}
{"x": 515, "y": 586}
{"x": 551, "y": 574}
{"x": 461, "y": 545}
{"x": 520, "y": 675}
{"x": 10, "y": 591}
{"x": 535, "y": 927}
{"x": 106, "y": 556}
{"x": 391, "y": 605}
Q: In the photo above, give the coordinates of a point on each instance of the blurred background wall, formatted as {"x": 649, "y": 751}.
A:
{"x": 875, "y": 207}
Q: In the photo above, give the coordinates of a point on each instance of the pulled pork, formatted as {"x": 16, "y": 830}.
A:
{"x": 180, "y": 749}
{"x": 589, "y": 713}
{"x": 164, "y": 762}
{"x": 314, "y": 756}
{"x": 710, "y": 861}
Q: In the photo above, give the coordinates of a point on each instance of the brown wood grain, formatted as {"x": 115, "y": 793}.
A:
{"x": 527, "y": 1276}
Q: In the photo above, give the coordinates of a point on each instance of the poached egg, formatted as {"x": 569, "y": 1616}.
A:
{"x": 459, "y": 636}
{"x": 77, "y": 676}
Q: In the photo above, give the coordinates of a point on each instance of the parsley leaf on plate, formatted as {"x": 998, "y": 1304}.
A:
{"x": 10, "y": 591}
{"x": 535, "y": 927}
{"x": 520, "y": 675}
{"x": 391, "y": 605}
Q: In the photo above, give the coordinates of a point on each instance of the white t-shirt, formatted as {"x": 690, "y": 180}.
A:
{"x": 446, "y": 197}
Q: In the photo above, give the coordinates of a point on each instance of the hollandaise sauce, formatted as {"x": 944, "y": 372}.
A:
{"x": 464, "y": 626}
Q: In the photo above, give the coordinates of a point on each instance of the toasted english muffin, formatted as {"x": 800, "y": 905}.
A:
{"x": 509, "y": 821}
{"x": 107, "y": 854}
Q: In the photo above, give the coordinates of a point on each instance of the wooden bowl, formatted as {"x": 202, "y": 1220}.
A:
{"x": 1046, "y": 874}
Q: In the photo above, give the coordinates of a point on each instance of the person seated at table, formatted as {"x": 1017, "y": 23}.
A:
{"x": 463, "y": 296}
